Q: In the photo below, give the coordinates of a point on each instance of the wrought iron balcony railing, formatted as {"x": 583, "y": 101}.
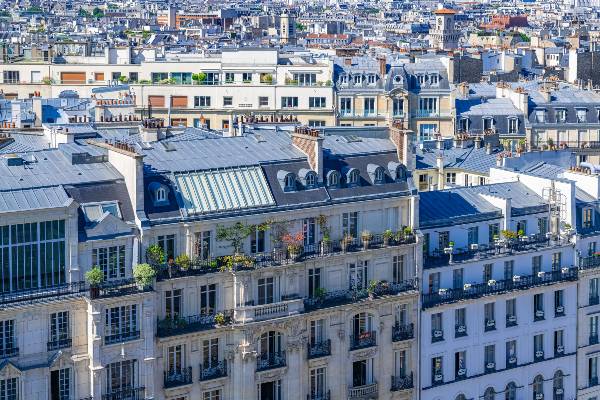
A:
{"x": 267, "y": 361}
{"x": 58, "y": 344}
{"x": 195, "y": 323}
{"x": 213, "y": 370}
{"x": 122, "y": 337}
{"x": 319, "y": 349}
{"x": 363, "y": 340}
{"x": 11, "y": 351}
{"x": 402, "y": 382}
{"x": 402, "y": 332}
{"x": 126, "y": 394}
{"x": 180, "y": 377}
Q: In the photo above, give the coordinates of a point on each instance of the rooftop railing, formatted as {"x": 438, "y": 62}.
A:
{"x": 474, "y": 291}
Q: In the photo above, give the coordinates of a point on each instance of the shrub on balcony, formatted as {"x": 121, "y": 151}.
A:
{"x": 235, "y": 235}
{"x": 94, "y": 277}
{"x": 144, "y": 275}
{"x": 220, "y": 319}
{"x": 155, "y": 255}
{"x": 234, "y": 261}
{"x": 199, "y": 78}
{"x": 183, "y": 261}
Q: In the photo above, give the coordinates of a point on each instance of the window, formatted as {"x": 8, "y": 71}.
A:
{"x": 28, "y": 262}
{"x": 434, "y": 282}
{"x": 561, "y": 115}
{"x": 511, "y": 312}
{"x": 493, "y": 232}
{"x": 472, "y": 236}
{"x": 7, "y": 338}
{"x": 540, "y": 116}
{"x": 437, "y": 372}
{"x": 538, "y": 306}
{"x": 316, "y": 102}
{"x": 266, "y": 289}
{"x": 556, "y": 261}
{"x": 489, "y": 357}
{"x": 437, "y": 331}
{"x": 263, "y": 101}
{"x": 160, "y": 195}
{"x": 203, "y": 249}
{"x": 310, "y": 180}
{"x": 542, "y": 226}
{"x": 358, "y": 275}
{"x": 587, "y": 220}
{"x": 398, "y": 268}
{"x": 121, "y": 376}
{"x": 121, "y": 324}
{"x": 227, "y": 101}
{"x": 536, "y": 265}
{"x": 593, "y": 291}
{"x": 369, "y": 106}
{"x": 257, "y": 241}
{"x": 167, "y": 244}
{"x": 229, "y": 77}
{"x": 509, "y": 267}
{"x": 306, "y": 79}
{"x": 350, "y": 224}
{"x": 210, "y": 353}
{"x": 309, "y": 231}
{"x": 9, "y": 389}
{"x": 289, "y": 102}
{"x": 427, "y": 131}
{"x": 11, "y": 76}
{"x": 513, "y": 126}
{"x": 179, "y": 77}
{"x": 379, "y": 175}
{"x": 111, "y": 261}
{"x": 314, "y": 281}
{"x": 289, "y": 182}
{"x": 488, "y": 272}
{"x": 559, "y": 306}
{"x": 593, "y": 371}
{"x": 460, "y": 322}
{"x": 333, "y": 179}
{"x": 201, "y": 101}
{"x": 318, "y": 385}
{"x": 594, "y": 324}
{"x": 175, "y": 361}
{"x": 538, "y": 387}
{"x": 581, "y": 115}
{"x": 489, "y": 318}
{"x": 208, "y": 299}
{"x": 173, "y": 303}
{"x": 458, "y": 278}
{"x": 398, "y": 107}
{"x": 159, "y": 76}
{"x": 246, "y": 77}
{"x": 316, "y": 123}
{"x": 345, "y": 105}
{"x": 460, "y": 364}
{"x": 511, "y": 353}
{"x": 212, "y": 395}
{"x": 538, "y": 346}
{"x": 427, "y": 106}
{"x": 451, "y": 178}
{"x": 133, "y": 77}
{"x": 59, "y": 329}
{"x": 60, "y": 385}
{"x": 559, "y": 345}
{"x": 443, "y": 240}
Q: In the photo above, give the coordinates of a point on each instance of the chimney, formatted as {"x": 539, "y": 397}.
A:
{"x": 477, "y": 142}
{"x": 439, "y": 162}
{"x": 310, "y": 142}
{"x": 152, "y": 130}
{"x": 439, "y": 143}
{"x": 488, "y": 148}
{"x": 546, "y": 93}
{"x": 230, "y": 129}
{"x": 382, "y": 66}
{"x": 404, "y": 140}
{"x": 463, "y": 90}
{"x": 37, "y": 110}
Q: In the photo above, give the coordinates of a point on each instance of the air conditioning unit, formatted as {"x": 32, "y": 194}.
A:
{"x": 539, "y": 313}
{"x": 491, "y": 282}
{"x": 541, "y": 274}
{"x": 490, "y": 365}
{"x": 539, "y": 354}
{"x": 560, "y": 309}
{"x": 560, "y": 349}
{"x": 461, "y": 329}
{"x": 467, "y": 286}
{"x": 438, "y": 377}
{"x": 539, "y": 396}
{"x": 438, "y": 333}
{"x": 512, "y": 318}
{"x": 564, "y": 270}
{"x": 490, "y": 323}
{"x": 516, "y": 278}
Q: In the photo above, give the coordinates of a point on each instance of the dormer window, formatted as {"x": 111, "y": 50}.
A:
{"x": 513, "y": 125}
{"x": 333, "y": 179}
{"x": 290, "y": 182}
{"x": 93, "y": 212}
{"x": 581, "y": 115}
{"x": 311, "y": 180}
{"x": 379, "y": 175}
{"x": 434, "y": 79}
{"x": 463, "y": 124}
{"x": 357, "y": 79}
{"x": 159, "y": 193}
{"x": 372, "y": 79}
{"x": 352, "y": 177}
{"x": 400, "y": 174}
{"x": 561, "y": 115}
{"x": 421, "y": 78}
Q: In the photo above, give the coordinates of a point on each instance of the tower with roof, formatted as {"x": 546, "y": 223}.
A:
{"x": 444, "y": 36}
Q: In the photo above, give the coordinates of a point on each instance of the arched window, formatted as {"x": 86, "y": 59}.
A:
{"x": 352, "y": 177}
{"x": 557, "y": 384}
{"x": 538, "y": 387}
{"x": 269, "y": 349}
{"x": 311, "y": 179}
{"x": 161, "y": 194}
{"x": 333, "y": 179}
{"x": 400, "y": 173}
{"x": 290, "y": 182}
{"x": 362, "y": 330}
{"x": 510, "y": 393}
{"x": 489, "y": 394}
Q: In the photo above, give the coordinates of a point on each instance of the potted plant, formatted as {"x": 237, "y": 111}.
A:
{"x": 220, "y": 319}
{"x": 94, "y": 277}
{"x": 325, "y": 231}
{"x": 199, "y": 78}
{"x": 388, "y": 234}
{"x": 320, "y": 294}
{"x": 366, "y": 237}
{"x": 293, "y": 243}
{"x": 183, "y": 261}
{"x": 347, "y": 241}
{"x": 144, "y": 275}
{"x": 408, "y": 232}
{"x": 155, "y": 255}
{"x": 373, "y": 285}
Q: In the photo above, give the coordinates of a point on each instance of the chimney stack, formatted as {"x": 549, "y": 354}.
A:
{"x": 310, "y": 142}
{"x": 382, "y": 66}
{"x": 404, "y": 140}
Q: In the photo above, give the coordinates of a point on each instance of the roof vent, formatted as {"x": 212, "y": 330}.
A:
{"x": 352, "y": 139}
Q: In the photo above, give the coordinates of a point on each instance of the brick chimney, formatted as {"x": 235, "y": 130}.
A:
{"x": 382, "y": 66}
{"x": 404, "y": 140}
{"x": 310, "y": 142}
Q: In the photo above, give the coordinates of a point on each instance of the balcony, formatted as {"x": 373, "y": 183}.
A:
{"x": 117, "y": 288}
{"x": 538, "y": 355}
{"x": 403, "y": 382}
{"x": 538, "y": 315}
{"x": 263, "y": 312}
{"x": 479, "y": 290}
{"x": 319, "y": 396}
{"x": 363, "y": 340}
{"x": 437, "y": 335}
{"x": 59, "y": 344}
{"x": 402, "y": 332}
{"x": 122, "y": 337}
{"x": 437, "y": 378}
{"x": 214, "y": 370}
{"x": 195, "y": 323}
{"x": 9, "y": 352}
{"x": 559, "y": 351}
{"x": 282, "y": 257}
{"x": 319, "y": 349}
{"x": 32, "y": 296}
{"x": 589, "y": 262}
{"x": 363, "y": 392}
{"x": 268, "y": 361}
{"x": 464, "y": 254}
{"x": 461, "y": 374}
{"x": 173, "y": 379}
{"x": 460, "y": 331}
{"x": 126, "y": 394}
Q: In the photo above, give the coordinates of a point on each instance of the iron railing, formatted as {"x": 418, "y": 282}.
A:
{"x": 402, "y": 332}
{"x": 319, "y": 349}
{"x": 267, "y": 361}
{"x": 175, "y": 378}
{"x": 363, "y": 340}
{"x": 402, "y": 382}
{"x": 126, "y": 394}
{"x": 59, "y": 344}
{"x": 122, "y": 337}
{"x": 195, "y": 323}
{"x": 213, "y": 370}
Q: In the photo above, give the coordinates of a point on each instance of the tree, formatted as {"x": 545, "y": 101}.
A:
{"x": 98, "y": 13}
{"x": 300, "y": 27}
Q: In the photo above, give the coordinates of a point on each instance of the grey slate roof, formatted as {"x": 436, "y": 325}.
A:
{"x": 33, "y": 199}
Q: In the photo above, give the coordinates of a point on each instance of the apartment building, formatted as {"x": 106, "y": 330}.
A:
{"x": 299, "y": 281}
{"x": 191, "y": 89}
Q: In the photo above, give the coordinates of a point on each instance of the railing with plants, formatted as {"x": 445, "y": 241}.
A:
{"x": 126, "y": 394}
{"x": 195, "y": 323}
{"x": 473, "y": 291}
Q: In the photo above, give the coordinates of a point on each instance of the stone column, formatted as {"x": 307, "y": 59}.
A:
{"x": 147, "y": 373}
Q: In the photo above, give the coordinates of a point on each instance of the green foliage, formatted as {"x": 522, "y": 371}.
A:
{"x": 300, "y": 27}
{"x": 320, "y": 293}
{"x": 236, "y": 260}
{"x": 509, "y": 235}
{"x": 388, "y": 234}
{"x": 220, "y": 319}
{"x": 155, "y": 255}
{"x": 183, "y": 261}
{"x": 235, "y": 235}
{"x": 97, "y": 13}
{"x": 144, "y": 274}
{"x": 524, "y": 37}
{"x": 123, "y": 79}
{"x": 200, "y": 77}
{"x": 94, "y": 276}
